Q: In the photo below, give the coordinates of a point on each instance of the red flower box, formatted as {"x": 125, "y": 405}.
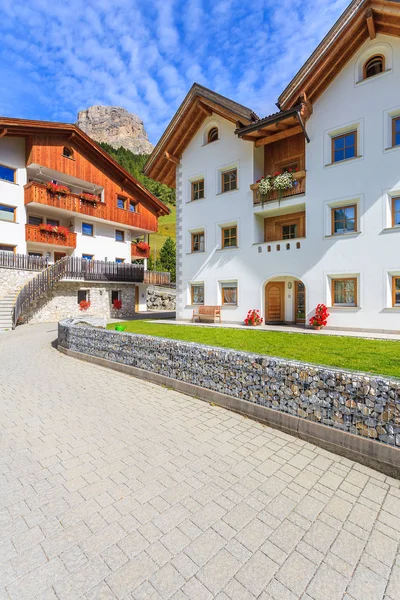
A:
{"x": 55, "y": 188}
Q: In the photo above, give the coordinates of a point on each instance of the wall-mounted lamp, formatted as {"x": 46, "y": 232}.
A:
{"x": 289, "y": 285}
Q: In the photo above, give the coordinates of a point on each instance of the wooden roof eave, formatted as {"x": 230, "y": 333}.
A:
{"x": 25, "y": 128}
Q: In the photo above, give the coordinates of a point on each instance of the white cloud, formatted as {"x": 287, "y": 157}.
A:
{"x": 60, "y": 57}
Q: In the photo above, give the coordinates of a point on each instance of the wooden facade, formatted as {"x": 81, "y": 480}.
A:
{"x": 33, "y": 233}
{"x": 273, "y": 226}
{"x": 284, "y": 153}
{"x": 47, "y": 151}
{"x": 39, "y": 194}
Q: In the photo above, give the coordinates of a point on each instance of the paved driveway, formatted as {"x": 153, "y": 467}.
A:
{"x": 115, "y": 488}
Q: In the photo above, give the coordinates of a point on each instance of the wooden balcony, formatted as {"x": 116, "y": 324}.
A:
{"x": 33, "y": 233}
{"x": 136, "y": 252}
{"x": 299, "y": 187}
{"x": 39, "y": 194}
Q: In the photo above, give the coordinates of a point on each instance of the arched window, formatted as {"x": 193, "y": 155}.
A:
{"x": 68, "y": 152}
{"x": 212, "y": 135}
{"x": 374, "y": 65}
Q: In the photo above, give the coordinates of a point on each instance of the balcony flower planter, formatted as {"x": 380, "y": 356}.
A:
{"x": 55, "y": 188}
{"x": 57, "y": 230}
{"x": 278, "y": 183}
{"x": 140, "y": 249}
{"x": 90, "y": 198}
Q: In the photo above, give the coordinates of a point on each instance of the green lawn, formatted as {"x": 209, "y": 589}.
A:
{"x": 373, "y": 356}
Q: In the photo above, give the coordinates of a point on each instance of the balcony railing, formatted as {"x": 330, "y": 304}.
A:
{"x": 74, "y": 203}
{"x": 9, "y": 260}
{"x": 137, "y": 252}
{"x": 33, "y": 233}
{"x": 299, "y": 187}
{"x": 157, "y": 278}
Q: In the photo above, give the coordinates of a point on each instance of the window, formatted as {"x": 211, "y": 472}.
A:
{"x": 115, "y": 295}
{"x": 83, "y": 296}
{"x": 344, "y": 219}
{"x": 132, "y": 206}
{"x": 212, "y": 135}
{"x": 229, "y": 180}
{"x": 229, "y": 237}
{"x": 197, "y": 293}
{"x": 198, "y": 242}
{"x": 68, "y": 152}
{"x": 344, "y": 146}
{"x": 396, "y": 291}
{"x": 344, "y": 292}
{"x": 7, "y": 248}
{"x": 396, "y": 131}
{"x": 198, "y": 189}
{"x": 87, "y": 229}
{"x": 121, "y": 202}
{"x": 373, "y": 66}
{"x": 7, "y": 174}
{"x": 119, "y": 235}
{"x": 87, "y": 256}
{"x": 395, "y": 212}
{"x": 120, "y": 260}
{"x": 35, "y": 220}
{"x": 36, "y": 254}
{"x": 289, "y": 231}
{"x": 229, "y": 293}
{"x": 53, "y": 222}
{"x": 7, "y": 213}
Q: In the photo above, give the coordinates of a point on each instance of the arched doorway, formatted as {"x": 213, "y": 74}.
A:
{"x": 285, "y": 301}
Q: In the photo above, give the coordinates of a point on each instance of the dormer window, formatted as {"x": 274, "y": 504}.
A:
{"x": 374, "y": 66}
{"x": 212, "y": 135}
{"x": 68, "y": 152}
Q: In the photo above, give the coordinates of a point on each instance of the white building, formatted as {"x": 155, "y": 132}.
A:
{"x": 332, "y": 238}
{"x": 62, "y": 195}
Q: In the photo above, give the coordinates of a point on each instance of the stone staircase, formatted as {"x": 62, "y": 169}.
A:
{"x": 6, "y": 306}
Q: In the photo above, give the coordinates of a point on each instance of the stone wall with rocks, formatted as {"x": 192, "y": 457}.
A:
{"x": 11, "y": 280}
{"x": 356, "y": 403}
{"x": 159, "y": 298}
{"x": 62, "y": 302}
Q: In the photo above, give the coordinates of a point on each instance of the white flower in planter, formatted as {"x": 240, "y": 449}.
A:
{"x": 283, "y": 181}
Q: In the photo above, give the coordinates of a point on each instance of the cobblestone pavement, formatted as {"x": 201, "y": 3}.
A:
{"x": 116, "y": 488}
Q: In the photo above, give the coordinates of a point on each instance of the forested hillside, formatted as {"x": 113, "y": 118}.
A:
{"x": 134, "y": 164}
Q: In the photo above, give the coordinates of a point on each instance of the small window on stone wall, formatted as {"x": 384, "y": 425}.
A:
{"x": 115, "y": 295}
{"x": 83, "y": 295}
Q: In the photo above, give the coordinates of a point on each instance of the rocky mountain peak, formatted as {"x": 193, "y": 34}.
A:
{"x": 115, "y": 126}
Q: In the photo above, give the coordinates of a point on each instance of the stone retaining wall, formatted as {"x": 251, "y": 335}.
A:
{"x": 62, "y": 302}
{"x": 363, "y": 405}
{"x": 11, "y": 280}
{"x": 159, "y": 298}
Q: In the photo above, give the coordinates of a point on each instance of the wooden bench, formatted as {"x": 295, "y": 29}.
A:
{"x": 207, "y": 313}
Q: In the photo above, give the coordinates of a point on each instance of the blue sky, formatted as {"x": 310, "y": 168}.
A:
{"x": 61, "y": 56}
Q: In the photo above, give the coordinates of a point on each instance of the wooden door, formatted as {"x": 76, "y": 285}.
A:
{"x": 275, "y": 302}
{"x": 136, "y": 298}
{"x": 300, "y": 302}
{"x": 59, "y": 256}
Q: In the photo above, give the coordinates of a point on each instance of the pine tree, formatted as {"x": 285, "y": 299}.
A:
{"x": 168, "y": 257}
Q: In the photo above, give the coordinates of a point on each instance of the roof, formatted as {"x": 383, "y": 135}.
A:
{"x": 196, "y": 106}
{"x": 362, "y": 19}
{"x": 274, "y": 118}
{"x": 24, "y": 127}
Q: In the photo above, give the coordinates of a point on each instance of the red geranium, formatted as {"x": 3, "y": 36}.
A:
{"x": 84, "y": 305}
{"x": 253, "y": 318}
{"x": 56, "y": 188}
{"x": 320, "y": 319}
{"x": 117, "y": 304}
{"x": 144, "y": 246}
